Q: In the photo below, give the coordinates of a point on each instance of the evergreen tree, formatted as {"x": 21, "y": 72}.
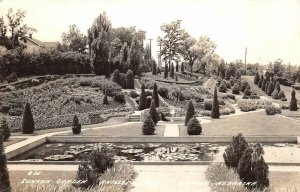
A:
{"x": 293, "y": 102}
{"x": 215, "y": 112}
{"x": 256, "y": 78}
{"x": 263, "y": 85}
{"x": 182, "y": 68}
{"x": 236, "y": 89}
{"x": 260, "y": 81}
{"x": 153, "y": 68}
{"x": 166, "y": 71}
{"x": 270, "y": 88}
{"x": 267, "y": 87}
{"x": 152, "y": 112}
{"x": 135, "y": 55}
{"x": 244, "y": 168}
{"x": 260, "y": 168}
{"x": 27, "y": 123}
{"x": 116, "y": 77}
{"x": 223, "y": 87}
{"x": 190, "y": 112}
{"x": 129, "y": 80}
{"x": 234, "y": 151}
{"x": 172, "y": 71}
{"x": 142, "y": 101}
{"x": 194, "y": 127}
{"x": 155, "y": 95}
{"x": 4, "y": 128}
{"x": 177, "y": 66}
{"x": 4, "y": 177}
{"x": 76, "y": 126}
{"x": 277, "y": 86}
{"x": 148, "y": 126}
{"x": 105, "y": 100}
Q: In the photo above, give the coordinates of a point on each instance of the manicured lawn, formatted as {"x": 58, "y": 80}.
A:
{"x": 257, "y": 123}
{"x": 110, "y": 121}
{"x": 280, "y": 179}
{"x": 130, "y": 130}
{"x": 12, "y": 141}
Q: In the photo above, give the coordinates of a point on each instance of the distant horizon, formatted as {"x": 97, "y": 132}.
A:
{"x": 269, "y": 29}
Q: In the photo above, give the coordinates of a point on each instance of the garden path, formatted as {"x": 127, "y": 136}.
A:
{"x": 171, "y": 130}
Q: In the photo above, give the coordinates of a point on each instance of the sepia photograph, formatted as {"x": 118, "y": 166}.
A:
{"x": 149, "y": 96}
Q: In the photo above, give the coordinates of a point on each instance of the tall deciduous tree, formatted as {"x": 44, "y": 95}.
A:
{"x": 197, "y": 49}
{"x": 74, "y": 40}
{"x": 172, "y": 41}
{"x": 15, "y": 28}
{"x": 99, "y": 44}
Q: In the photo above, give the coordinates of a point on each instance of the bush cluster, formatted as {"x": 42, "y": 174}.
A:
{"x": 247, "y": 105}
{"x": 272, "y": 110}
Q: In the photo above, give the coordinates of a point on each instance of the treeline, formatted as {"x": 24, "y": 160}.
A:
{"x": 43, "y": 62}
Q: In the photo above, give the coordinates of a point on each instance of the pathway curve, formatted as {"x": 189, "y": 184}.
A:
{"x": 171, "y": 130}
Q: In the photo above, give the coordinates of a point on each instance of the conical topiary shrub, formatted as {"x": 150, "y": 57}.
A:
{"x": 166, "y": 71}
{"x": 76, "y": 126}
{"x": 4, "y": 177}
{"x": 142, "y": 101}
{"x": 194, "y": 127}
{"x": 223, "y": 87}
{"x": 190, "y": 112}
{"x": 27, "y": 123}
{"x": 256, "y": 78}
{"x": 155, "y": 95}
{"x": 236, "y": 89}
{"x": 129, "y": 78}
{"x": 105, "y": 100}
{"x": 277, "y": 86}
{"x": 247, "y": 93}
{"x": 266, "y": 87}
{"x": 172, "y": 71}
{"x": 260, "y": 81}
{"x": 270, "y": 88}
{"x": 116, "y": 77}
{"x": 148, "y": 126}
{"x": 293, "y": 102}
{"x": 152, "y": 112}
{"x": 4, "y": 128}
{"x": 215, "y": 112}
{"x": 263, "y": 85}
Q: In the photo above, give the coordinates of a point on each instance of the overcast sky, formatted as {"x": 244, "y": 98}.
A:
{"x": 270, "y": 29}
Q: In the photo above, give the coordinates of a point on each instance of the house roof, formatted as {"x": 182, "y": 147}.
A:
{"x": 39, "y": 43}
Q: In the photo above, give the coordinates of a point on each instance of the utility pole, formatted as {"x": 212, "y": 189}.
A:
{"x": 289, "y": 70}
{"x": 150, "y": 49}
{"x": 245, "y": 60}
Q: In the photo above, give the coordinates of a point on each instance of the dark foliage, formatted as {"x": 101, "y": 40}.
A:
{"x": 148, "y": 126}
{"x": 105, "y": 100}
{"x": 119, "y": 97}
{"x": 166, "y": 71}
{"x": 142, "y": 101}
{"x": 256, "y": 78}
{"x": 234, "y": 151}
{"x": 4, "y": 129}
{"x": 270, "y": 88}
{"x": 223, "y": 87}
{"x": 155, "y": 95}
{"x": 215, "y": 112}
{"x": 4, "y": 177}
{"x": 12, "y": 78}
{"x": 190, "y": 112}
{"x": 27, "y": 123}
{"x": 116, "y": 77}
{"x": 260, "y": 81}
{"x": 194, "y": 127}
{"x": 236, "y": 89}
{"x": 293, "y": 102}
{"x": 152, "y": 112}
{"x": 244, "y": 168}
{"x": 76, "y": 126}
{"x": 129, "y": 80}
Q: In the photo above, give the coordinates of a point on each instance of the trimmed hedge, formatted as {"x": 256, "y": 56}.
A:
{"x": 194, "y": 127}
{"x": 272, "y": 110}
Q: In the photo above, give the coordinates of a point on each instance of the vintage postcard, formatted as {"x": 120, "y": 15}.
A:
{"x": 149, "y": 96}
